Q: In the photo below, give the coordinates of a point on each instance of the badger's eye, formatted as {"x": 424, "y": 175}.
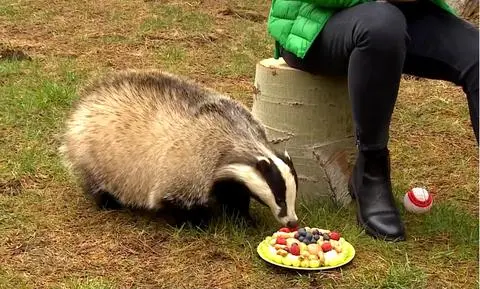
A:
{"x": 281, "y": 203}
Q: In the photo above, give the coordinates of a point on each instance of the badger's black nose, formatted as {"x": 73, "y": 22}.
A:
{"x": 292, "y": 224}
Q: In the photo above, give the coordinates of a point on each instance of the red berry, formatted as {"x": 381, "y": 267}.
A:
{"x": 326, "y": 246}
{"x": 285, "y": 230}
{"x": 281, "y": 241}
{"x": 334, "y": 236}
{"x": 295, "y": 249}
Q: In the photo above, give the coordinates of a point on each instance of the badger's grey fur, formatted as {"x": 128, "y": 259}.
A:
{"x": 146, "y": 138}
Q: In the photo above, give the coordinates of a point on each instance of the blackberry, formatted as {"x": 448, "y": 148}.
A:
{"x": 326, "y": 237}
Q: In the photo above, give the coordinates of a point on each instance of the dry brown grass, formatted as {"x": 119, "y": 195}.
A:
{"x": 52, "y": 237}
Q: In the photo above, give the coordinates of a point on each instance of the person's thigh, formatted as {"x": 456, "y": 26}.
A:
{"x": 378, "y": 22}
{"x": 445, "y": 47}
{"x": 442, "y": 46}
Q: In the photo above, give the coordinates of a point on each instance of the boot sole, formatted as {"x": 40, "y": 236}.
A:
{"x": 367, "y": 229}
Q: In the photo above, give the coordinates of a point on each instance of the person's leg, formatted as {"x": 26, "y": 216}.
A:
{"x": 368, "y": 43}
{"x": 445, "y": 47}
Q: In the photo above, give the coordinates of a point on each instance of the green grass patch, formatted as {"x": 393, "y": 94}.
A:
{"x": 167, "y": 17}
{"x": 24, "y": 12}
{"x": 172, "y": 58}
{"x": 114, "y": 39}
{"x": 450, "y": 220}
{"x": 32, "y": 105}
{"x": 239, "y": 56}
{"x": 10, "y": 11}
{"x": 9, "y": 279}
{"x": 87, "y": 283}
{"x": 402, "y": 276}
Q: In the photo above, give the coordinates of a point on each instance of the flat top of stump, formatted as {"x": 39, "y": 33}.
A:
{"x": 281, "y": 65}
{"x": 275, "y": 63}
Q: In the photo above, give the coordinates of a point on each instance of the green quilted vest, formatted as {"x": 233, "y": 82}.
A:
{"x": 294, "y": 24}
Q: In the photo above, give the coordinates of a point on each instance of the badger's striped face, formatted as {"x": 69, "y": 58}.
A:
{"x": 271, "y": 180}
{"x": 280, "y": 176}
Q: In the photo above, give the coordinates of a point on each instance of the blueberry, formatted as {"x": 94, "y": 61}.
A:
{"x": 309, "y": 236}
{"x": 315, "y": 232}
{"x": 296, "y": 235}
{"x": 302, "y": 232}
{"x": 316, "y": 237}
{"x": 301, "y": 238}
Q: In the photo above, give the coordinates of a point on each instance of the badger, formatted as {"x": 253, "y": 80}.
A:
{"x": 150, "y": 139}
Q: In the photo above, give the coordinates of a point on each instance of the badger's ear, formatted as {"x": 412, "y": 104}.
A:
{"x": 263, "y": 164}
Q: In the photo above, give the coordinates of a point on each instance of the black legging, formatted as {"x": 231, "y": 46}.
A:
{"x": 375, "y": 42}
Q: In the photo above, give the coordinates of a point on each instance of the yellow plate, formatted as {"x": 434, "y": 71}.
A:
{"x": 346, "y": 245}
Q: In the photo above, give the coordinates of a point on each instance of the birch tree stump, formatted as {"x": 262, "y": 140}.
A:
{"x": 309, "y": 116}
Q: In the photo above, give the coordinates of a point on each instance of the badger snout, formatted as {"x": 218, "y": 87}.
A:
{"x": 292, "y": 224}
{"x": 289, "y": 221}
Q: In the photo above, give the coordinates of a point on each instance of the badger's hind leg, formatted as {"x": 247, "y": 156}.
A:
{"x": 103, "y": 199}
{"x": 234, "y": 198}
{"x": 106, "y": 201}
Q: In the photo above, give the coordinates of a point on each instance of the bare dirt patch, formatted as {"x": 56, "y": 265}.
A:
{"x": 13, "y": 54}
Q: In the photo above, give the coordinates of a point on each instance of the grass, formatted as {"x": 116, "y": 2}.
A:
{"x": 51, "y": 236}
{"x": 175, "y": 16}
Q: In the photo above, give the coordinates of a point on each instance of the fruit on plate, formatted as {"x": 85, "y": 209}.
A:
{"x": 326, "y": 246}
{"x": 306, "y": 247}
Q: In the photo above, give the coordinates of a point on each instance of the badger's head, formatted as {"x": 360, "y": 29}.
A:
{"x": 277, "y": 187}
{"x": 271, "y": 179}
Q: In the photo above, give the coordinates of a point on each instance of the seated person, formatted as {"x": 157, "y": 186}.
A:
{"x": 373, "y": 43}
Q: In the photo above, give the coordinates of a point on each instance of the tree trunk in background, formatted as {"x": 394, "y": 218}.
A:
{"x": 470, "y": 10}
{"x": 467, "y": 9}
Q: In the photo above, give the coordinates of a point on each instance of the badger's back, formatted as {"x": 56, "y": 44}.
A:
{"x": 146, "y": 135}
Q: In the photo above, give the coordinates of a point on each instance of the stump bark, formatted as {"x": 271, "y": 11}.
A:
{"x": 309, "y": 116}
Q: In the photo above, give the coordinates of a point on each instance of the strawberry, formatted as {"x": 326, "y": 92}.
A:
{"x": 334, "y": 236}
{"x": 326, "y": 246}
{"x": 281, "y": 241}
{"x": 295, "y": 249}
{"x": 285, "y": 230}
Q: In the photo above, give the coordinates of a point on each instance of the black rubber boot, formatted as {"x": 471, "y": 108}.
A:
{"x": 370, "y": 186}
